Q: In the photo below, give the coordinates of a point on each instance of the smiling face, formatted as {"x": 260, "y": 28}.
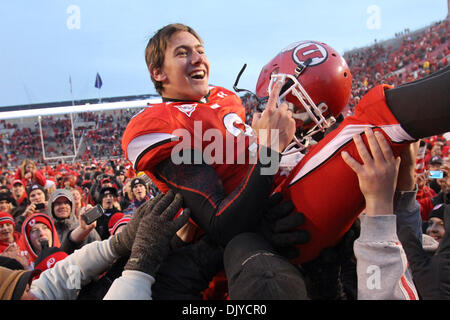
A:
{"x": 5, "y": 206}
{"x": 6, "y": 232}
{"x": 62, "y": 208}
{"x": 18, "y": 189}
{"x": 37, "y": 196}
{"x": 185, "y": 72}
{"x": 436, "y": 228}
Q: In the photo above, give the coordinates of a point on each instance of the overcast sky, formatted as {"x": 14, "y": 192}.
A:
{"x": 47, "y": 41}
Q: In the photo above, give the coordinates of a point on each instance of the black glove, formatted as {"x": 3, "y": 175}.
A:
{"x": 323, "y": 274}
{"x": 156, "y": 229}
{"x": 279, "y": 226}
{"x": 431, "y": 273}
{"x": 122, "y": 242}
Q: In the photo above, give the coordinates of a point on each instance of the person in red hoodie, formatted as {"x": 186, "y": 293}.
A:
{"x": 37, "y": 229}
{"x": 29, "y": 174}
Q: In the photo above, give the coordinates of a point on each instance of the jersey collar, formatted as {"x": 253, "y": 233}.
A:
{"x": 205, "y": 99}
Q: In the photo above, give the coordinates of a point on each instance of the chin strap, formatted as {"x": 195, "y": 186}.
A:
{"x": 260, "y": 101}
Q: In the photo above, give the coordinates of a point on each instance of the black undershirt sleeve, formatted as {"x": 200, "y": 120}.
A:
{"x": 422, "y": 107}
{"x": 220, "y": 215}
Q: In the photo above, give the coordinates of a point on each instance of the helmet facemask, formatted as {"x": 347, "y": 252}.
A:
{"x": 293, "y": 90}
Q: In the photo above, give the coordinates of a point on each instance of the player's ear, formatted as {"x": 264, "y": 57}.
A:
{"x": 157, "y": 73}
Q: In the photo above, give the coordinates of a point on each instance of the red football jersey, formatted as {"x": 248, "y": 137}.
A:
{"x": 324, "y": 188}
{"x": 216, "y": 128}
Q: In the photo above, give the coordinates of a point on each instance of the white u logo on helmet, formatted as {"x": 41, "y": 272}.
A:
{"x": 309, "y": 49}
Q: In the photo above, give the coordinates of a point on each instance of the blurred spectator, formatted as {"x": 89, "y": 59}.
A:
{"x": 435, "y": 225}
{"x": 8, "y": 235}
{"x": 29, "y": 174}
{"x": 108, "y": 200}
{"x": 50, "y": 186}
{"x": 19, "y": 193}
{"x": 62, "y": 211}
{"x": 77, "y": 201}
{"x": 102, "y": 181}
{"x": 435, "y": 165}
{"x": 139, "y": 195}
{"x": 37, "y": 198}
{"x": 7, "y": 202}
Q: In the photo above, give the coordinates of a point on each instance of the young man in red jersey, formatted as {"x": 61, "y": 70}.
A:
{"x": 172, "y": 141}
{"x": 196, "y": 142}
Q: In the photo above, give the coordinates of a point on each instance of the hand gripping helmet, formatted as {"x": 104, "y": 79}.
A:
{"x": 317, "y": 85}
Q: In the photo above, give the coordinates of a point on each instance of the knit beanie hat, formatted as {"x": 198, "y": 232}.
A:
{"x": 14, "y": 282}
{"x": 137, "y": 181}
{"x": 107, "y": 190}
{"x": 118, "y": 219}
{"x": 5, "y": 217}
{"x": 37, "y": 219}
{"x": 8, "y": 197}
{"x": 34, "y": 187}
{"x": 438, "y": 211}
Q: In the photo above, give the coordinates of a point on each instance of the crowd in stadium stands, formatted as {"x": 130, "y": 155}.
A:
{"x": 30, "y": 189}
{"x": 408, "y": 57}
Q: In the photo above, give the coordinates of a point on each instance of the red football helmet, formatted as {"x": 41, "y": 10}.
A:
{"x": 317, "y": 85}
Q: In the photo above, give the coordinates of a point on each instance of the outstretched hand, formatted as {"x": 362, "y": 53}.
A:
{"x": 122, "y": 242}
{"x": 377, "y": 175}
{"x": 155, "y": 232}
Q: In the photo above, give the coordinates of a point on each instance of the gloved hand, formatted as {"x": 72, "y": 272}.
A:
{"x": 279, "y": 226}
{"x": 431, "y": 274}
{"x": 323, "y": 274}
{"x": 156, "y": 229}
{"x": 122, "y": 242}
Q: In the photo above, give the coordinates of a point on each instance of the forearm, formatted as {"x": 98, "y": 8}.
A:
{"x": 68, "y": 245}
{"x": 407, "y": 210}
{"x": 40, "y": 178}
{"x": 219, "y": 214}
{"x": 79, "y": 235}
{"x": 68, "y": 276}
{"x": 131, "y": 285}
{"x": 381, "y": 262}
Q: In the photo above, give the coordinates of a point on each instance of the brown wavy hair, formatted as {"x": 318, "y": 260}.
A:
{"x": 24, "y": 163}
{"x": 157, "y": 45}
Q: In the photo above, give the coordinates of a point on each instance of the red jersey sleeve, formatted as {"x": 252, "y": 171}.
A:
{"x": 148, "y": 139}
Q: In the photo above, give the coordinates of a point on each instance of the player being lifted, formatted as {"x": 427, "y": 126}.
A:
{"x": 226, "y": 198}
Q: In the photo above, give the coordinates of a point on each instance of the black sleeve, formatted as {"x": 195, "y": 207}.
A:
{"x": 69, "y": 246}
{"x": 220, "y": 215}
{"x": 422, "y": 107}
